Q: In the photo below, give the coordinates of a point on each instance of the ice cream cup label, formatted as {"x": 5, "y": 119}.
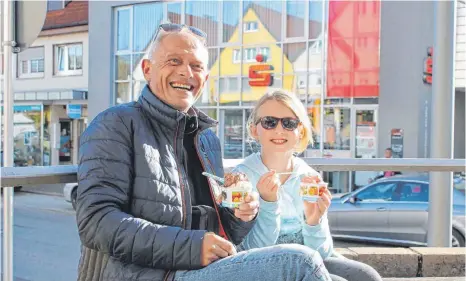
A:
{"x": 232, "y": 198}
{"x": 311, "y": 191}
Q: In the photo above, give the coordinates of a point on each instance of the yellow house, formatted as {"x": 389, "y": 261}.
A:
{"x": 260, "y": 34}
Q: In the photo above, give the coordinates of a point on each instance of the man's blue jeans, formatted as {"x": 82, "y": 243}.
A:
{"x": 288, "y": 262}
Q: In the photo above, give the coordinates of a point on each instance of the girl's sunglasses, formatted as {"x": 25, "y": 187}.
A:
{"x": 270, "y": 122}
{"x": 171, "y": 27}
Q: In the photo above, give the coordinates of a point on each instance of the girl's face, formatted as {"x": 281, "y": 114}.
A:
{"x": 278, "y": 139}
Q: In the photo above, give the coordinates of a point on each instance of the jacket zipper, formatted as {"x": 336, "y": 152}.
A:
{"x": 196, "y": 144}
{"x": 182, "y": 188}
{"x": 180, "y": 176}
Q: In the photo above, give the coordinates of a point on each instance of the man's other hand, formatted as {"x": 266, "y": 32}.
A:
{"x": 215, "y": 247}
{"x": 247, "y": 211}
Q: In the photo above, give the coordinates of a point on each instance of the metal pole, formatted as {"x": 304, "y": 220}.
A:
{"x": 8, "y": 44}
{"x": 440, "y": 188}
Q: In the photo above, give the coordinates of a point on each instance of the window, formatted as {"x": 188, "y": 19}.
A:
{"x": 381, "y": 191}
{"x": 31, "y": 67}
{"x": 69, "y": 59}
{"x": 31, "y": 63}
{"x": 251, "y": 53}
{"x": 237, "y": 56}
{"x": 53, "y": 5}
{"x": 411, "y": 192}
{"x": 250, "y": 26}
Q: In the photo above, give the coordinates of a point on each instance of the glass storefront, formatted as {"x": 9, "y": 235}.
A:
{"x": 27, "y": 135}
{"x": 326, "y": 52}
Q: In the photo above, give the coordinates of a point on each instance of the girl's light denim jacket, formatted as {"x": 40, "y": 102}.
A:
{"x": 286, "y": 216}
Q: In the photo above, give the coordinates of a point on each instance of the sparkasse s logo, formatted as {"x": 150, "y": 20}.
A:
{"x": 260, "y": 75}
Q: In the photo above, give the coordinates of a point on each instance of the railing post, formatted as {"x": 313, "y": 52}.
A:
{"x": 443, "y": 89}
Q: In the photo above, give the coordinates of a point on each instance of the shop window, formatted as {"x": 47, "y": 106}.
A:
{"x": 123, "y": 29}
{"x": 27, "y": 124}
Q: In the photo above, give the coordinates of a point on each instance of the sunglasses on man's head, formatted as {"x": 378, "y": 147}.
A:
{"x": 171, "y": 27}
{"x": 270, "y": 122}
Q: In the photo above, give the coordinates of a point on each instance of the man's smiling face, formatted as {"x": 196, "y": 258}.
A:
{"x": 177, "y": 71}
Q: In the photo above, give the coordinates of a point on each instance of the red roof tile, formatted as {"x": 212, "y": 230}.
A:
{"x": 75, "y": 13}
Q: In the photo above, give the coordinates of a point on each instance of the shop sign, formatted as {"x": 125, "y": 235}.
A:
{"x": 260, "y": 75}
{"x": 73, "y": 111}
{"x": 25, "y": 108}
{"x": 428, "y": 62}
{"x": 397, "y": 143}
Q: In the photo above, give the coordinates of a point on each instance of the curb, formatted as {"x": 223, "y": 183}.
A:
{"x": 410, "y": 262}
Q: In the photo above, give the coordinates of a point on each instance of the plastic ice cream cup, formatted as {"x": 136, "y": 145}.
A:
{"x": 234, "y": 195}
{"x": 312, "y": 191}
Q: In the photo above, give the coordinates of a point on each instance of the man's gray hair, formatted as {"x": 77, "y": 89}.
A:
{"x": 161, "y": 34}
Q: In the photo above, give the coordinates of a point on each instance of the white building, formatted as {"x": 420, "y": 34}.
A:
{"x": 50, "y": 82}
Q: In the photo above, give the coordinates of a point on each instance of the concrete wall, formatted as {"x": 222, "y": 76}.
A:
{"x": 406, "y": 33}
{"x": 50, "y": 81}
{"x": 460, "y": 73}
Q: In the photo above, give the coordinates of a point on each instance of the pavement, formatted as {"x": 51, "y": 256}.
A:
{"x": 46, "y": 243}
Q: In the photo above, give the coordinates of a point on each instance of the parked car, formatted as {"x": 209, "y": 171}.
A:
{"x": 393, "y": 211}
{"x": 70, "y": 191}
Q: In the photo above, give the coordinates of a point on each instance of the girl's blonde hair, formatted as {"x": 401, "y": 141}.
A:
{"x": 291, "y": 101}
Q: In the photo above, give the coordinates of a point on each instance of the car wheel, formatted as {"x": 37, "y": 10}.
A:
{"x": 74, "y": 194}
{"x": 18, "y": 188}
{"x": 457, "y": 240}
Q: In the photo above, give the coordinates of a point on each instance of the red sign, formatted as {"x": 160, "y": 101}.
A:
{"x": 428, "y": 63}
{"x": 353, "y": 49}
{"x": 260, "y": 75}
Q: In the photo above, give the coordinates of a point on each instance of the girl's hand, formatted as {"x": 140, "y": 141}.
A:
{"x": 313, "y": 211}
{"x": 268, "y": 186}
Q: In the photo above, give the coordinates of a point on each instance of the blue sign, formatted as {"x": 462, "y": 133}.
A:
{"x": 25, "y": 108}
{"x": 73, "y": 111}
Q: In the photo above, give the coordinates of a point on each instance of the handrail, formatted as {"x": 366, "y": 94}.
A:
{"x": 15, "y": 176}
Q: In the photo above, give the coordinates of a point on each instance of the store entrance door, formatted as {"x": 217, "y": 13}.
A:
{"x": 64, "y": 151}
{"x": 365, "y": 141}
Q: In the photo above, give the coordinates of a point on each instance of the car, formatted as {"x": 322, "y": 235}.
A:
{"x": 70, "y": 191}
{"x": 393, "y": 210}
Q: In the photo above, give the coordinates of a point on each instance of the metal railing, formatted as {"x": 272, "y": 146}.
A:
{"x": 440, "y": 225}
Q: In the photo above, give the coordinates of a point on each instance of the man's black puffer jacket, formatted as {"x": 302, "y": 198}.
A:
{"x": 133, "y": 204}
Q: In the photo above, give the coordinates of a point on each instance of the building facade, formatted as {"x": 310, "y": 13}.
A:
{"x": 343, "y": 59}
{"x": 50, "y": 82}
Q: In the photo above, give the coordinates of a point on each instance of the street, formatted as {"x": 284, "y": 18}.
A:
{"x": 46, "y": 242}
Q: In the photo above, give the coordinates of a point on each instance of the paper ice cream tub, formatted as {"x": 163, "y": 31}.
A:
{"x": 312, "y": 191}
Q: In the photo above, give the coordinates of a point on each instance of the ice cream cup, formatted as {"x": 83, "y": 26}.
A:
{"x": 312, "y": 191}
{"x": 233, "y": 196}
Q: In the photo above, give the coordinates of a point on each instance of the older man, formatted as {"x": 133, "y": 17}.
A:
{"x": 144, "y": 210}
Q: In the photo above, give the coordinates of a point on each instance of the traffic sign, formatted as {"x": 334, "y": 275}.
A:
{"x": 29, "y": 19}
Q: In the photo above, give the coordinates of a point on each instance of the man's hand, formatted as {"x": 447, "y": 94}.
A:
{"x": 247, "y": 211}
{"x": 314, "y": 211}
{"x": 268, "y": 186}
{"x": 215, "y": 247}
